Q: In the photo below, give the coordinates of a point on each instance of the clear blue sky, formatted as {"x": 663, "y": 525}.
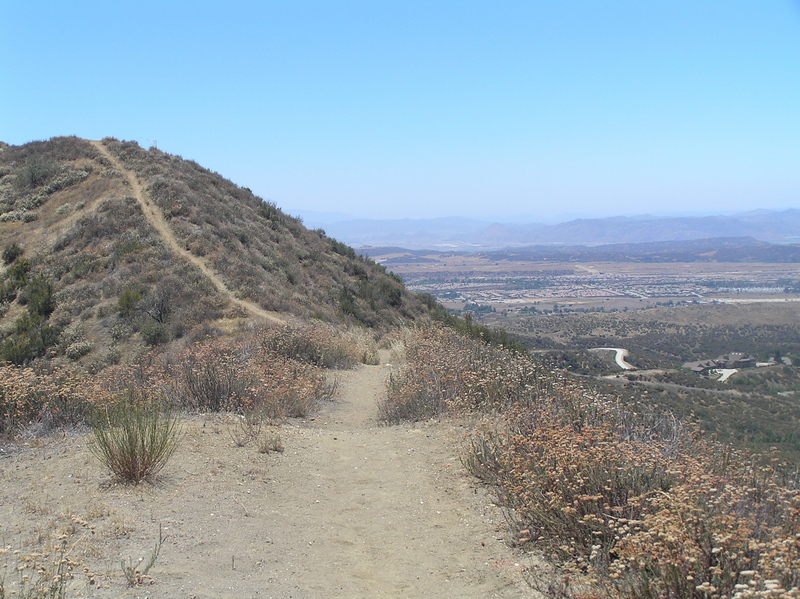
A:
{"x": 430, "y": 108}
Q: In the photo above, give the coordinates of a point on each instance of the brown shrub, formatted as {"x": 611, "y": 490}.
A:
{"x": 37, "y": 403}
{"x": 626, "y": 505}
{"x": 447, "y": 372}
{"x": 644, "y": 508}
{"x": 320, "y": 345}
{"x": 218, "y": 376}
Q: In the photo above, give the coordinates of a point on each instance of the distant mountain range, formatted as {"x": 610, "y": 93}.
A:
{"x": 720, "y": 249}
{"x": 455, "y": 233}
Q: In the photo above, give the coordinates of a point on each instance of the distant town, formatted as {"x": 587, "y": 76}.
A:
{"x": 458, "y": 280}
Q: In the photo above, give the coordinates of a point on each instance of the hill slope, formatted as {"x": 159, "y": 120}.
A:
{"x": 131, "y": 245}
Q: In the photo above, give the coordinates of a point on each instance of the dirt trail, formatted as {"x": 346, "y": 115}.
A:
{"x": 386, "y": 511}
{"x": 156, "y": 219}
{"x": 349, "y": 509}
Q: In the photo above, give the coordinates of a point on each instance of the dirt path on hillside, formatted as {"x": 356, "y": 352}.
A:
{"x": 156, "y": 219}
{"x": 349, "y": 509}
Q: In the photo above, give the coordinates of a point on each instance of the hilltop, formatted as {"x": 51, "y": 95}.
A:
{"x": 134, "y": 278}
{"x": 133, "y": 247}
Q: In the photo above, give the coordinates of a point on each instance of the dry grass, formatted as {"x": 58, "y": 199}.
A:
{"x": 447, "y": 372}
{"x": 53, "y": 568}
{"x": 627, "y": 506}
{"x": 249, "y": 375}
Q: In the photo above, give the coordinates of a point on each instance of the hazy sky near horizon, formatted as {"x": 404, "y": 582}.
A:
{"x": 430, "y": 108}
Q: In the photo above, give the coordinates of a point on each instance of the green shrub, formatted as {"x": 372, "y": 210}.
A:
{"x": 154, "y": 333}
{"x": 39, "y": 297}
{"x": 11, "y": 253}
{"x": 128, "y": 300}
{"x": 135, "y": 438}
{"x": 270, "y": 211}
{"x": 78, "y": 349}
{"x": 343, "y": 249}
{"x": 120, "y": 331}
{"x": 37, "y": 171}
{"x": 17, "y": 274}
{"x": 8, "y": 292}
{"x": 30, "y": 339}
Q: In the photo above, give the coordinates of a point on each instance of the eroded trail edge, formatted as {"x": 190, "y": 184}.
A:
{"x": 159, "y": 223}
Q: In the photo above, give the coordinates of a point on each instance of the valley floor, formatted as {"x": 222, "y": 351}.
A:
{"x": 349, "y": 509}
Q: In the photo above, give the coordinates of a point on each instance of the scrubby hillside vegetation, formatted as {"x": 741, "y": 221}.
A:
{"x": 87, "y": 277}
{"x": 626, "y": 502}
{"x": 135, "y": 284}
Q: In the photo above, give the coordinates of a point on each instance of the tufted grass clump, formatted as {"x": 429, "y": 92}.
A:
{"x": 135, "y": 438}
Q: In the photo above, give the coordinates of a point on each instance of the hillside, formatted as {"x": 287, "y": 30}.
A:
{"x": 135, "y": 282}
{"x": 135, "y": 247}
{"x": 721, "y": 249}
{"x": 138, "y": 295}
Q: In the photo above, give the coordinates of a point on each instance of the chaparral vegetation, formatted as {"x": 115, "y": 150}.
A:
{"x": 139, "y": 291}
{"x": 627, "y": 504}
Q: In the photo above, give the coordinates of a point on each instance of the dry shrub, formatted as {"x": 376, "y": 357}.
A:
{"x": 361, "y": 342}
{"x": 321, "y": 345}
{"x": 730, "y": 532}
{"x": 287, "y": 388}
{"x": 36, "y": 403}
{"x": 445, "y": 371}
{"x": 218, "y": 376}
{"x": 627, "y": 505}
{"x": 210, "y": 377}
{"x": 643, "y": 507}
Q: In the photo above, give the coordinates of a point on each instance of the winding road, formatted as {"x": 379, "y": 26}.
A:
{"x": 619, "y": 358}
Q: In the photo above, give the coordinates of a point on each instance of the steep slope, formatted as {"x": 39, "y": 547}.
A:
{"x": 134, "y": 247}
{"x": 156, "y": 220}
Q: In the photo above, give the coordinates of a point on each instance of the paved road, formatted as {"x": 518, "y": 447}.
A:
{"x": 619, "y": 358}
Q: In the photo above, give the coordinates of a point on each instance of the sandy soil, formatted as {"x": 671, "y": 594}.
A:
{"x": 349, "y": 509}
